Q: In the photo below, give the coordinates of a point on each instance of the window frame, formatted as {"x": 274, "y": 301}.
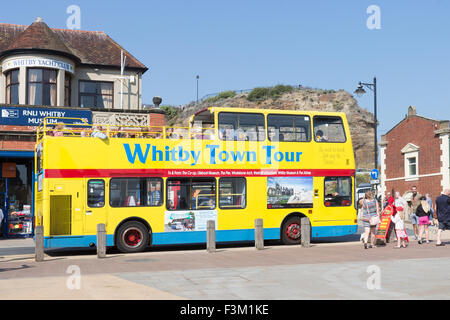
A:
{"x": 289, "y": 115}
{"x": 104, "y": 194}
{"x": 190, "y": 180}
{"x": 96, "y": 94}
{"x": 146, "y": 194}
{"x": 264, "y": 131}
{"x": 328, "y": 117}
{"x": 351, "y": 193}
{"x": 11, "y": 84}
{"x": 43, "y": 83}
{"x": 245, "y": 194}
{"x": 67, "y": 90}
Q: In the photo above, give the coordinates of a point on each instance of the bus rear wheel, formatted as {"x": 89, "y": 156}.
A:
{"x": 132, "y": 237}
{"x": 291, "y": 231}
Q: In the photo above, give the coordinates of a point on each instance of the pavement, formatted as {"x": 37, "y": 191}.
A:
{"x": 339, "y": 269}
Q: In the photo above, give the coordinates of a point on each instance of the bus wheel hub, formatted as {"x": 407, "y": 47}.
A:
{"x": 133, "y": 237}
{"x": 293, "y": 231}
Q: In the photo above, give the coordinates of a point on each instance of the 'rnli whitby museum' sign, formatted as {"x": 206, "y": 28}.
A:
{"x": 25, "y": 116}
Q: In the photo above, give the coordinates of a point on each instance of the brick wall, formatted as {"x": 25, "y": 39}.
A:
{"x": 157, "y": 119}
{"x": 420, "y": 132}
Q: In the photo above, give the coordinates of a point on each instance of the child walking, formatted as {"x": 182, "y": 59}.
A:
{"x": 399, "y": 229}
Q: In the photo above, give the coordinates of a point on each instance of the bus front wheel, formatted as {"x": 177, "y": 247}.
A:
{"x": 291, "y": 231}
{"x": 132, "y": 236}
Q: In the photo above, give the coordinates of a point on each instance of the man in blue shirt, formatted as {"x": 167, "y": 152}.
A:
{"x": 155, "y": 196}
{"x": 442, "y": 214}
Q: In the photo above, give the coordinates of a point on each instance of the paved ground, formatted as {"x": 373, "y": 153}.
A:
{"x": 327, "y": 270}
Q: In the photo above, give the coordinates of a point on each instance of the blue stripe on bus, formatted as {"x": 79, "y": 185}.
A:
{"x": 190, "y": 237}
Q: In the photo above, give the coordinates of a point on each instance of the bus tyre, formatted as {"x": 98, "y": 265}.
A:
{"x": 132, "y": 236}
{"x": 291, "y": 231}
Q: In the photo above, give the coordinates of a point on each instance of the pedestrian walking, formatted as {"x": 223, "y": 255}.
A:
{"x": 400, "y": 233}
{"x": 442, "y": 214}
{"x": 423, "y": 213}
{"x": 370, "y": 218}
{"x": 415, "y": 202}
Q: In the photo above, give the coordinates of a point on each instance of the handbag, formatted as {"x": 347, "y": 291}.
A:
{"x": 374, "y": 220}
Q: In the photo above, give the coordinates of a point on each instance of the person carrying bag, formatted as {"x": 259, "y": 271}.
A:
{"x": 370, "y": 218}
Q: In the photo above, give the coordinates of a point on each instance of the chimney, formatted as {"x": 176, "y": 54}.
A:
{"x": 411, "y": 111}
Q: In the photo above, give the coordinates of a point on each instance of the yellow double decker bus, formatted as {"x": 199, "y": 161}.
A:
{"x": 160, "y": 185}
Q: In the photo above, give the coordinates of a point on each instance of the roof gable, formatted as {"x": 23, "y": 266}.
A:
{"x": 90, "y": 47}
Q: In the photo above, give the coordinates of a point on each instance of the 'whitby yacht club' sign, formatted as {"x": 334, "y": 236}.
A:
{"x": 37, "y": 62}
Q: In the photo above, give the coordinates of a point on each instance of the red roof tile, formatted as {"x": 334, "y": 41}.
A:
{"x": 91, "y": 47}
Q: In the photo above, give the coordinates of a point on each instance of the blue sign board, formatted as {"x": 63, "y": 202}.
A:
{"x": 374, "y": 174}
{"x": 30, "y": 116}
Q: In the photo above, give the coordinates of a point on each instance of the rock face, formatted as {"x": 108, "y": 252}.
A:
{"x": 361, "y": 121}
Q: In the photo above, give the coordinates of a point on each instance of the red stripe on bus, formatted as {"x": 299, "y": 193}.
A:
{"x": 99, "y": 173}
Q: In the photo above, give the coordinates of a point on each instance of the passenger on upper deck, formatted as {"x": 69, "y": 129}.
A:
{"x": 98, "y": 133}
{"x": 58, "y": 132}
{"x": 320, "y": 137}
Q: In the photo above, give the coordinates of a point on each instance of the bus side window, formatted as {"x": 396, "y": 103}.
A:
{"x": 328, "y": 129}
{"x": 286, "y": 127}
{"x": 241, "y": 126}
{"x": 232, "y": 193}
{"x": 338, "y": 191}
{"x": 191, "y": 194}
{"x": 96, "y": 193}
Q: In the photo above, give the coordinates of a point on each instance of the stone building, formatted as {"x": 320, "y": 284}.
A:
{"x": 415, "y": 152}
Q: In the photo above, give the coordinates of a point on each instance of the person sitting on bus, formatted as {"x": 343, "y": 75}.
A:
{"x": 320, "y": 137}
{"x": 98, "y": 133}
{"x": 58, "y": 131}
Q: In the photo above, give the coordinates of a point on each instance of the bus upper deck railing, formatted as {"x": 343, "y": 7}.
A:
{"x": 59, "y": 128}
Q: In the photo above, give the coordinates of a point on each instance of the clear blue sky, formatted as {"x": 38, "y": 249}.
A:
{"x": 244, "y": 44}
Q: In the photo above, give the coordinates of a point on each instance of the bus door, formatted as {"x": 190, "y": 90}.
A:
{"x": 95, "y": 209}
{"x": 333, "y": 199}
{"x": 66, "y": 207}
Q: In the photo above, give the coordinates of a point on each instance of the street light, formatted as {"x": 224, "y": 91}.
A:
{"x": 197, "y": 77}
{"x": 359, "y": 92}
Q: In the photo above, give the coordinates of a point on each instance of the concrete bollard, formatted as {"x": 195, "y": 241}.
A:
{"x": 305, "y": 230}
{"x": 101, "y": 240}
{"x": 259, "y": 234}
{"x": 39, "y": 245}
{"x": 210, "y": 236}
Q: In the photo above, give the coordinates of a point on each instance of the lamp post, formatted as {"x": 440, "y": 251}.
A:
{"x": 197, "y": 77}
{"x": 359, "y": 92}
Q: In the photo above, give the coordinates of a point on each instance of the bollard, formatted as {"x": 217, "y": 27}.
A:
{"x": 259, "y": 234}
{"x": 101, "y": 240}
{"x": 210, "y": 236}
{"x": 305, "y": 231}
{"x": 39, "y": 245}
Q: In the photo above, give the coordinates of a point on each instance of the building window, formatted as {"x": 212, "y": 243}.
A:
{"x": 41, "y": 87}
{"x": 67, "y": 90}
{"x": 12, "y": 87}
{"x": 411, "y": 161}
{"x": 95, "y": 94}
{"x": 412, "y": 166}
